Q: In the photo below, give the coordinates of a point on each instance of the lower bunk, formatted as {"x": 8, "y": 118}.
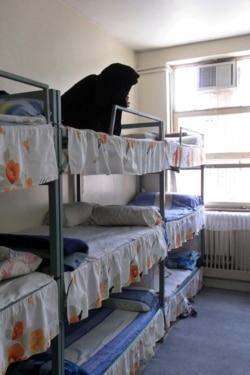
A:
{"x": 115, "y": 339}
{"x": 28, "y": 316}
{"x": 180, "y": 287}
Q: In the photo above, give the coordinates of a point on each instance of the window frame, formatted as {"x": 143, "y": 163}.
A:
{"x": 213, "y": 159}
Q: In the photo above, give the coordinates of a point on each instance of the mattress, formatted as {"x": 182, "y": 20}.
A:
{"x": 117, "y": 256}
{"x": 28, "y": 315}
{"x": 27, "y": 156}
{"x": 184, "y": 214}
{"x": 110, "y": 341}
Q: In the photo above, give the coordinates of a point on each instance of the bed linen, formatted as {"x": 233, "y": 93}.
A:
{"x": 180, "y": 286}
{"x": 92, "y": 153}
{"x": 28, "y": 316}
{"x": 184, "y": 214}
{"x": 21, "y": 106}
{"x": 181, "y": 152}
{"x": 110, "y": 341}
{"x": 184, "y": 155}
{"x": 22, "y": 120}
{"x": 117, "y": 256}
{"x": 27, "y": 156}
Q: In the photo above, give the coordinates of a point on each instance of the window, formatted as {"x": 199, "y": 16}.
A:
{"x": 222, "y": 114}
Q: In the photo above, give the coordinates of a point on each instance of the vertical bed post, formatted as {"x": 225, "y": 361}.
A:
{"x": 56, "y": 237}
{"x": 162, "y": 185}
{"x": 202, "y": 234}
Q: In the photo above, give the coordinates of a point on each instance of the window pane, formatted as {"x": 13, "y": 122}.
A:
{"x": 188, "y": 97}
{"x": 226, "y": 136}
{"x": 224, "y": 133}
{"x": 229, "y": 185}
{"x": 188, "y": 182}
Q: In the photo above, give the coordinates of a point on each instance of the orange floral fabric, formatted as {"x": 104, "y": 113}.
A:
{"x": 92, "y": 153}
{"x": 28, "y": 323}
{"x": 27, "y": 156}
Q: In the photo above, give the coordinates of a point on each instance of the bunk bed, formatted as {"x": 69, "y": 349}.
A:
{"x": 29, "y": 311}
{"x": 184, "y": 216}
{"x": 108, "y": 264}
{"x": 185, "y": 227}
{"x": 104, "y": 273}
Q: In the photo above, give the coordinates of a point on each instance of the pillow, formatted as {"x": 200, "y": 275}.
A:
{"x": 130, "y": 300}
{"x": 74, "y": 214}
{"x": 17, "y": 263}
{"x": 126, "y": 215}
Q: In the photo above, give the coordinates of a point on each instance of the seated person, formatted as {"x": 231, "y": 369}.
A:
{"x": 88, "y": 104}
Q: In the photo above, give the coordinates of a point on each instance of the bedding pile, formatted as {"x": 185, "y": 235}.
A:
{"x": 75, "y": 250}
{"x": 21, "y": 111}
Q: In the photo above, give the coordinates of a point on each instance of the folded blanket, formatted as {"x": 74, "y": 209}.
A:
{"x": 21, "y": 107}
{"x": 187, "y": 260}
{"x": 41, "y": 242}
{"x": 42, "y": 364}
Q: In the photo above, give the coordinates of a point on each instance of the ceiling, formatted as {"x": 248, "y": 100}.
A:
{"x": 151, "y": 24}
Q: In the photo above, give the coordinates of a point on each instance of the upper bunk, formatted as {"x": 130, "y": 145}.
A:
{"x": 28, "y": 157}
{"x": 27, "y": 146}
{"x": 91, "y": 152}
{"x": 113, "y": 272}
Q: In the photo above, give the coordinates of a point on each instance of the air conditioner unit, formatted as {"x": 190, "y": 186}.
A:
{"x": 217, "y": 76}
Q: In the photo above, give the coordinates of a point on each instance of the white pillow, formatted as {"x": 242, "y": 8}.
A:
{"x": 75, "y": 214}
{"x": 126, "y": 215}
{"x": 16, "y": 263}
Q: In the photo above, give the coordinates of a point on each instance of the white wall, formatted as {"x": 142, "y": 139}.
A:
{"x": 46, "y": 41}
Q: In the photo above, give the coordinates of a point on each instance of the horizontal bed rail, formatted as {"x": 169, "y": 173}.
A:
{"x": 192, "y": 131}
{"x": 157, "y": 122}
{"x": 30, "y": 82}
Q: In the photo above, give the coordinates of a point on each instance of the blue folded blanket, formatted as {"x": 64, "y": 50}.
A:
{"x": 42, "y": 364}
{"x": 41, "y": 242}
{"x": 185, "y": 260}
{"x": 21, "y": 107}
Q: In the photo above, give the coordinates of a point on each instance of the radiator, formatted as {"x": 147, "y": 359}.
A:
{"x": 227, "y": 245}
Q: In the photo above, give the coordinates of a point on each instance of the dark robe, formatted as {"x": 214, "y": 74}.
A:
{"x": 88, "y": 104}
